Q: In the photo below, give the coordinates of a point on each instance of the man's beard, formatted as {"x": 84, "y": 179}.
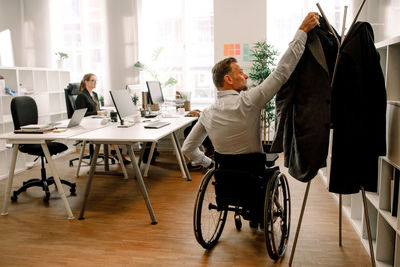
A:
{"x": 243, "y": 88}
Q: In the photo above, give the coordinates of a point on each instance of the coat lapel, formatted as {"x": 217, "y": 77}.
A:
{"x": 316, "y": 50}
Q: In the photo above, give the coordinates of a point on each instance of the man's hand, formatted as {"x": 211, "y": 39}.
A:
{"x": 194, "y": 113}
{"x": 309, "y": 22}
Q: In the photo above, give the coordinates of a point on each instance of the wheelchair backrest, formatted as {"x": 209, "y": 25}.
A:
{"x": 254, "y": 162}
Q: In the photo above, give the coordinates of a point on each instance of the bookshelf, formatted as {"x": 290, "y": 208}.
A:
{"x": 46, "y": 86}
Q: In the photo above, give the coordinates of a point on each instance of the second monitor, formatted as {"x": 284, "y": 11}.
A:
{"x": 155, "y": 92}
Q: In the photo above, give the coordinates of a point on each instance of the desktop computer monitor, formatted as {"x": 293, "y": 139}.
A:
{"x": 155, "y": 92}
{"x": 123, "y": 103}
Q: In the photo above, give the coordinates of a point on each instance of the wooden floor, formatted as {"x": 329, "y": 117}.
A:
{"x": 117, "y": 229}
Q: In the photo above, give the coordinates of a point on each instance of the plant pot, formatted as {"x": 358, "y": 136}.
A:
{"x": 60, "y": 64}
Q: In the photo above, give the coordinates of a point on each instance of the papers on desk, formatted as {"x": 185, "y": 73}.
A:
{"x": 35, "y": 126}
{"x": 35, "y": 129}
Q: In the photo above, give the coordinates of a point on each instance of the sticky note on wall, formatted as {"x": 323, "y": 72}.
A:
{"x": 231, "y": 49}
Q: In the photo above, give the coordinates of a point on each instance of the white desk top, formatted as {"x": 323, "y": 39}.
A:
{"x": 136, "y": 133}
{"x": 88, "y": 124}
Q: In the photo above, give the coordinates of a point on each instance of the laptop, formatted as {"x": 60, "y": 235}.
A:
{"x": 75, "y": 119}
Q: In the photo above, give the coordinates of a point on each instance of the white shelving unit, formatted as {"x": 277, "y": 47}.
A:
{"x": 385, "y": 228}
{"x": 46, "y": 86}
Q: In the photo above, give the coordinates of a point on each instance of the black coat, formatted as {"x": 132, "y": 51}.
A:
{"x": 303, "y": 108}
{"x": 84, "y": 100}
{"x": 358, "y": 114}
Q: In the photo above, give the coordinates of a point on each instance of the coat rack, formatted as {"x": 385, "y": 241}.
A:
{"x": 371, "y": 250}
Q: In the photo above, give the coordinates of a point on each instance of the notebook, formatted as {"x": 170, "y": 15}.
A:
{"x": 75, "y": 119}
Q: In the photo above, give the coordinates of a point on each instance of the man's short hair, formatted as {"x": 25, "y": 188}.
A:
{"x": 220, "y": 70}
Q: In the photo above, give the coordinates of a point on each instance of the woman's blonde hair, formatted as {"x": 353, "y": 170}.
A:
{"x": 86, "y": 77}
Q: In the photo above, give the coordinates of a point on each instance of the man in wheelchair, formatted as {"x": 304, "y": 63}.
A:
{"x": 232, "y": 123}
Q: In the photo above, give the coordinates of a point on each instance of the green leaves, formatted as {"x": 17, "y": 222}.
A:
{"x": 152, "y": 71}
{"x": 264, "y": 57}
{"x": 61, "y": 55}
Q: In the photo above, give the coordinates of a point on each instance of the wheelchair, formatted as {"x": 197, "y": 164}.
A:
{"x": 254, "y": 189}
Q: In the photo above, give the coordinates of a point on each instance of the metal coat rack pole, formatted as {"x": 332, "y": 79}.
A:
{"x": 330, "y": 149}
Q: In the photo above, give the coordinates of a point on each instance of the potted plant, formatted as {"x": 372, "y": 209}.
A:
{"x": 135, "y": 99}
{"x": 60, "y": 59}
{"x": 263, "y": 63}
{"x": 152, "y": 71}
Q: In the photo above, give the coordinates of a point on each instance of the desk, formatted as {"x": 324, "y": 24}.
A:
{"x": 129, "y": 136}
{"x": 87, "y": 125}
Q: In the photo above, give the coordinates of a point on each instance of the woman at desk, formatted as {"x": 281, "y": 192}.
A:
{"x": 87, "y": 98}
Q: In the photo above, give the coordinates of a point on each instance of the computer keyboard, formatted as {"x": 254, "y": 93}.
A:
{"x": 150, "y": 115}
{"x": 156, "y": 124}
{"x": 169, "y": 115}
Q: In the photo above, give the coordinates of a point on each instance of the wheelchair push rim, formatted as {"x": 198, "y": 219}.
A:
{"x": 208, "y": 219}
{"x": 277, "y": 215}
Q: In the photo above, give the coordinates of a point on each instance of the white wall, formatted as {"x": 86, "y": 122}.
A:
{"x": 384, "y": 16}
{"x": 30, "y": 31}
{"x": 238, "y": 22}
{"x": 11, "y": 18}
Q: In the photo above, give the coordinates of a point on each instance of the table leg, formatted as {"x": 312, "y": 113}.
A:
{"x": 7, "y": 189}
{"x": 178, "y": 156}
{"x": 121, "y": 161}
{"x": 142, "y": 153}
{"x": 146, "y": 170}
{"x": 80, "y": 159}
{"x": 57, "y": 179}
{"x": 179, "y": 149}
{"x": 89, "y": 181}
{"x": 141, "y": 184}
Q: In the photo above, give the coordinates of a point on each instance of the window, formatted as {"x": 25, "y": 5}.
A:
{"x": 78, "y": 29}
{"x": 183, "y": 31}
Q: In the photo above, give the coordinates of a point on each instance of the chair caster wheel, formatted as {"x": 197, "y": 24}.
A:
{"x": 71, "y": 164}
{"x": 46, "y": 198}
{"x": 112, "y": 161}
{"x": 238, "y": 222}
{"x": 14, "y": 198}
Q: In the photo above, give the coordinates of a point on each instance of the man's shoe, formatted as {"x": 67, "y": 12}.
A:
{"x": 194, "y": 168}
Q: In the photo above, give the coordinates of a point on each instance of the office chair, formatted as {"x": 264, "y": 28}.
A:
{"x": 24, "y": 111}
{"x": 71, "y": 93}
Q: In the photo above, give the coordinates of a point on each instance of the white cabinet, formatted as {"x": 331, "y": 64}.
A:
{"x": 46, "y": 86}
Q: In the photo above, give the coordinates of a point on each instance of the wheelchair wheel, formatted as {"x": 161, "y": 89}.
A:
{"x": 208, "y": 220}
{"x": 277, "y": 211}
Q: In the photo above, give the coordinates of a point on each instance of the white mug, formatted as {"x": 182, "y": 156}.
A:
{"x": 136, "y": 118}
{"x": 181, "y": 111}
